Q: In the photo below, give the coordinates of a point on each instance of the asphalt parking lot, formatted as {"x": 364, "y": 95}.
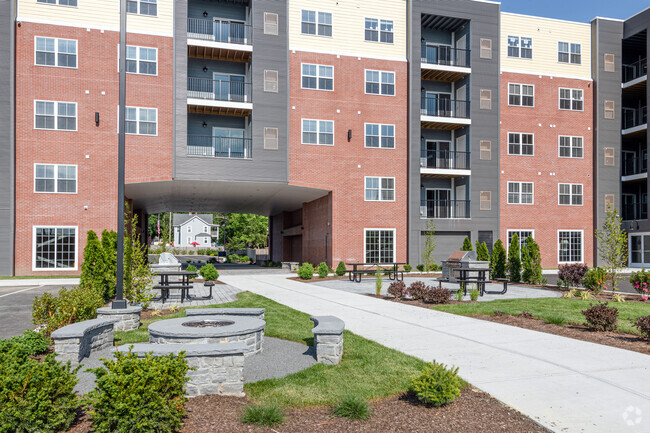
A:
{"x": 16, "y": 308}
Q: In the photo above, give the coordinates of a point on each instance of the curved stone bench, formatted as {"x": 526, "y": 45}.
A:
{"x": 245, "y": 312}
{"x": 328, "y": 339}
{"x": 77, "y": 341}
{"x": 218, "y": 367}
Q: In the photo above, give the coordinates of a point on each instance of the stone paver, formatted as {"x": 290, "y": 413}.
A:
{"x": 564, "y": 384}
{"x": 221, "y": 294}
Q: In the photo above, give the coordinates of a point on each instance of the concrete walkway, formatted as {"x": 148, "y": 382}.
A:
{"x": 564, "y": 384}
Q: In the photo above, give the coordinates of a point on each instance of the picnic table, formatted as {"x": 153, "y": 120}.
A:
{"x": 480, "y": 279}
{"x": 393, "y": 272}
{"x": 183, "y": 283}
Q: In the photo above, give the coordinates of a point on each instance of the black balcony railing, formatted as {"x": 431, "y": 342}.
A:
{"x": 232, "y": 32}
{"x": 446, "y": 159}
{"x": 635, "y": 70}
{"x": 633, "y": 165}
{"x": 634, "y": 117}
{"x": 219, "y": 147}
{"x": 443, "y": 107}
{"x": 634, "y": 211}
{"x": 445, "y": 55}
{"x": 218, "y": 90}
{"x": 445, "y": 209}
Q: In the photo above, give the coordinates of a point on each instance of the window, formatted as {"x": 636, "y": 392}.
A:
{"x": 569, "y": 53}
{"x": 141, "y": 121}
{"x": 271, "y": 138}
{"x": 56, "y": 52}
{"x": 310, "y": 25}
{"x": 141, "y": 60}
{"x": 59, "y": 2}
{"x": 609, "y": 65}
{"x": 318, "y": 132}
{"x": 381, "y": 136}
{"x": 485, "y": 102}
{"x": 372, "y": 29}
{"x": 55, "y": 115}
{"x": 522, "y": 235}
{"x": 142, "y": 7}
{"x": 485, "y": 200}
{"x": 609, "y": 110}
{"x": 610, "y": 160}
{"x": 379, "y": 245}
{"x": 380, "y": 189}
{"x": 55, "y": 178}
{"x": 380, "y": 82}
{"x": 485, "y": 150}
{"x": 486, "y": 48}
{"x": 189, "y": 229}
{"x": 270, "y": 23}
{"x": 521, "y": 94}
{"x": 570, "y": 246}
{"x": 571, "y": 99}
{"x": 317, "y": 77}
{"x": 520, "y": 144}
{"x": 270, "y": 81}
{"x": 520, "y": 47}
{"x": 570, "y": 147}
{"x": 55, "y": 248}
{"x": 520, "y": 193}
{"x": 379, "y": 30}
{"x": 570, "y": 194}
{"x": 386, "y": 31}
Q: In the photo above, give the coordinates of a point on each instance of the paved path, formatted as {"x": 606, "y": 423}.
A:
{"x": 221, "y": 293}
{"x": 16, "y": 307}
{"x": 564, "y": 384}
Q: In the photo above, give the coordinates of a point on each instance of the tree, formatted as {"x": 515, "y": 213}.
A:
{"x": 109, "y": 248}
{"x": 138, "y": 278}
{"x": 612, "y": 245}
{"x": 245, "y": 230}
{"x": 533, "y": 264}
{"x": 163, "y": 218}
{"x": 429, "y": 245}
{"x": 482, "y": 252}
{"x": 467, "y": 244}
{"x": 93, "y": 269}
{"x": 514, "y": 260}
{"x": 498, "y": 261}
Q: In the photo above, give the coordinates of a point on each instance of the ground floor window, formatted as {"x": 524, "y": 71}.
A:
{"x": 570, "y": 246}
{"x": 639, "y": 247}
{"x": 55, "y": 247}
{"x": 523, "y": 235}
{"x": 380, "y": 245}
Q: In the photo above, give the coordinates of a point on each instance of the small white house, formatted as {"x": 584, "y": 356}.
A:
{"x": 194, "y": 228}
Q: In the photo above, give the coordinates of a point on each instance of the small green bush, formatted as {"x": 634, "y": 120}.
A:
{"x": 498, "y": 260}
{"x": 306, "y": 271}
{"x": 420, "y": 268}
{"x": 29, "y": 343}
{"x": 341, "y": 269}
{"x": 595, "y": 280}
{"x": 69, "y": 306}
{"x": 191, "y": 268}
{"x": 467, "y": 245}
{"x": 209, "y": 272}
{"x": 474, "y": 294}
{"x": 642, "y": 324}
{"x": 263, "y": 415}
{"x": 556, "y": 319}
{"x": 352, "y": 406}
{"x": 600, "y": 317}
{"x": 435, "y": 267}
{"x": 408, "y": 268}
{"x": 437, "y": 295}
{"x": 323, "y": 270}
{"x": 514, "y": 260}
{"x": 139, "y": 395}
{"x": 378, "y": 280}
{"x": 244, "y": 259}
{"x": 437, "y": 385}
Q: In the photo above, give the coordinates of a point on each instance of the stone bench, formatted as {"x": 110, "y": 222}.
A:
{"x": 218, "y": 367}
{"x": 77, "y": 341}
{"x": 328, "y": 339}
{"x": 245, "y": 312}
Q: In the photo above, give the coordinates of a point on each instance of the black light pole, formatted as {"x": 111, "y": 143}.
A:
{"x": 119, "y": 301}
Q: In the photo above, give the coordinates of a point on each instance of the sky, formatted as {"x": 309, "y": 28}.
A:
{"x": 576, "y": 10}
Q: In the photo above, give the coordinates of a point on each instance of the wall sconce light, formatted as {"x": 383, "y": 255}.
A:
{"x": 205, "y": 13}
{"x": 349, "y": 135}
{"x": 205, "y": 69}
{"x": 422, "y": 137}
{"x": 637, "y": 225}
{"x": 205, "y": 124}
{"x": 96, "y": 118}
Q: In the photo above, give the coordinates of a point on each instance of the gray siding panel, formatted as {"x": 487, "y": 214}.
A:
{"x": 7, "y": 142}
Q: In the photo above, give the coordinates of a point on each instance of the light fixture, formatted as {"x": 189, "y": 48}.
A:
{"x": 205, "y": 69}
{"x": 96, "y": 118}
{"x": 205, "y": 13}
{"x": 205, "y": 124}
{"x": 349, "y": 135}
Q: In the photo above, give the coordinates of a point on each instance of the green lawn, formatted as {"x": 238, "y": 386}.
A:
{"x": 368, "y": 369}
{"x": 552, "y": 310}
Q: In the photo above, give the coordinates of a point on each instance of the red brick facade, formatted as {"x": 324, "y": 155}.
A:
{"x": 546, "y": 169}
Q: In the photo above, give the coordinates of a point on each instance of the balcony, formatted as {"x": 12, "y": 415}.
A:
{"x": 444, "y": 113}
{"x": 635, "y": 120}
{"x": 635, "y": 74}
{"x": 229, "y": 98}
{"x": 444, "y": 163}
{"x": 633, "y": 168}
{"x": 219, "y": 39}
{"x": 444, "y": 63}
{"x": 445, "y": 209}
{"x": 634, "y": 211}
{"x": 219, "y": 147}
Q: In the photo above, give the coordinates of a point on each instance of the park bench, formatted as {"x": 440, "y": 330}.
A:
{"x": 328, "y": 339}
{"x": 77, "y": 341}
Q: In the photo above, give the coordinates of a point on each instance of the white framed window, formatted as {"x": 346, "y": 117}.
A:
{"x": 54, "y": 248}
{"x": 521, "y": 95}
{"x": 571, "y": 99}
{"x": 570, "y": 147}
{"x": 523, "y": 236}
{"x": 319, "y": 132}
{"x": 380, "y": 136}
{"x": 379, "y": 245}
{"x": 72, "y": 3}
{"x": 189, "y": 240}
{"x": 317, "y": 77}
{"x": 377, "y": 30}
{"x": 519, "y": 46}
{"x": 55, "y": 115}
{"x": 141, "y": 60}
{"x": 57, "y": 52}
{"x": 520, "y": 193}
{"x": 189, "y": 229}
{"x": 316, "y": 23}
{"x": 570, "y": 194}
{"x": 570, "y": 246}
{"x": 205, "y": 229}
{"x": 55, "y": 178}
{"x": 141, "y": 121}
{"x": 380, "y": 82}
{"x": 142, "y": 7}
{"x": 380, "y": 188}
{"x": 520, "y": 144}
{"x": 568, "y": 52}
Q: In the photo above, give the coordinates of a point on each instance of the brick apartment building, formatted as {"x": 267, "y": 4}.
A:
{"x": 350, "y": 124}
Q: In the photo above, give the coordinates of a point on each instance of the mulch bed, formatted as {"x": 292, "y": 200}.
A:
{"x": 474, "y": 411}
{"x": 148, "y": 314}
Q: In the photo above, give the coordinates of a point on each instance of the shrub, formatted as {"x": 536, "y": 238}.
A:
{"x": 525, "y": 315}
{"x": 643, "y": 325}
{"x": 458, "y": 295}
{"x": 408, "y": 268}
{"x": 618, "y": 298}
{"x": 641, "y": 282}
{"x": 138, "y": 395}
{"x": 514, "y": 260}
{"x": 499, "y": 313}
{"x": 531, "y": 262}
{"x": 341, "y": 269}
{"x": 600, "y": 317}
{"x": 263, "y": 415}
{"x": 474, "y": 294}
{"x": 378, "y": 280}
{"x": 416, "y": 290}
{"x": 573, "y": 273}
{"x": 584, "y": 294}
{"x": 35, "y": 396}
{"x": 29, "y": 343}
{"x": 244, "y": 259}
{"x": 498, "y": 260}
{"x": 191, "y": 268}
{"x": 209, "y": 272}
{"x": 467, "y": 244}
{"x": 397, "y": 289}
{"x": 437, "y": 385}
{"x": 437, "y": 295}
{"x": 420, "y": 268}
{"x": 93, "y": 268}
{"x": 70, "y": 306}
{"x": 353, "y": 406}
{"x": 306, "y": 271}
{"x": 434, "y": 267}
{"x": 482, "y": 252}
{"x": 323, "y": 270}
